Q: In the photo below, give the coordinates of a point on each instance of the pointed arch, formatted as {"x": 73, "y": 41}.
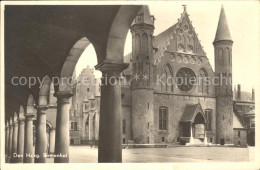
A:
{"x": 30, "y": 105}
{"x": 199, "y": 118}
{"x": 15, "y": 117}
{"x": 44, "y": 91}
{"x": 51, "y": 99}
{"x": 167, "y": 85}
{"x": 21, "y": 112}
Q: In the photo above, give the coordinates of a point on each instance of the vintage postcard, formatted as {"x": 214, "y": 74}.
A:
{"x": 172, "y": 84}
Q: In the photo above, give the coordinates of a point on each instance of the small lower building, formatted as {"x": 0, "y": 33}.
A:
{"x": 240, "y": 133}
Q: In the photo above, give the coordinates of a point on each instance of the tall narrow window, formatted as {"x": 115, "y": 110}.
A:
{"x": 124, "y": 126}
{"x": 137, "y": 44}
{"x": 208, "y": 113}
{"x": 203, "y": 84}
{"x": 71, "y": 125}
{"x": 238, "y": 133}
{"x": 145, "y": 43}
{"x": 167, "y": 79}
{"x": 163, "y": 114}
{"x": 75, "y": 125}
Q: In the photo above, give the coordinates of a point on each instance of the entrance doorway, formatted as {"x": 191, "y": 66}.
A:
{"x": 199, "y": 126}
{"x": 72, "y": 141}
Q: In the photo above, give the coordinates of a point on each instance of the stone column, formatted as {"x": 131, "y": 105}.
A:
{"x": 41, "y": 140}
{"x": 205, "y": 135}
{"x": 110, "y": 142}
{"x": 10, "y": 140}
{"x": 28, "y": 139}
{"x": 6, "y": 139}
{"x": 191, "y": 135}
{"x": 14, "y": 143}
{"x": 20, "y": 146}
{"x": 62, "y": 138}
{"x": 52, "y": 140}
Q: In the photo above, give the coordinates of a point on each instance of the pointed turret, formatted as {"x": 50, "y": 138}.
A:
{"x": 224, "y": 94}
{"x": 144, "y": 16}
{"x": 222, "y": 30}
{"x": 142, "y": 89}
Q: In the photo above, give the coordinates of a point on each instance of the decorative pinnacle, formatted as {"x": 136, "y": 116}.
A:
{"x": 184, "y": 8}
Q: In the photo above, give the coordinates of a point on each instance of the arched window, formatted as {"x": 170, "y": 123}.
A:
{"x": 137, "y": 44}
{"x": 145, "y": 43}
{"x": 203, "y": 84}
{"x": 220, "y": 56}
{"x": 163, "y": 118}
{"x": 167, "y": 79}
{"x": 227, "y": 57}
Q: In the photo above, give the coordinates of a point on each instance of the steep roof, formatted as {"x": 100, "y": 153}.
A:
{"x": 236, "y": 122}
{"x": 222, "y": 30}
{"x": 163, "y": 40}
{"x": 245, "y": 96}
{"x": 144, "y": 16}
{"x": 190, "y": 112}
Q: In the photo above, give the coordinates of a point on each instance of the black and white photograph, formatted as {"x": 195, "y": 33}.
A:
{"x": 172, "y": 84}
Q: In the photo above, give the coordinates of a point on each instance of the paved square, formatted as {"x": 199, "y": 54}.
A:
{"x": 85, "y": 154}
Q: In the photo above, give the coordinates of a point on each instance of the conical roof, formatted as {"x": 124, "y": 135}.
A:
{"x": 222, "y": 30}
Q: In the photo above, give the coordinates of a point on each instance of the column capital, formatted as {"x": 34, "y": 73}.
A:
{"x": 20, "y": 120}
{"x": 41, "y": 109}
{"x": 29, "y": 116}
{"x": 109, "y": 65}
{"x": 63, "y": 96}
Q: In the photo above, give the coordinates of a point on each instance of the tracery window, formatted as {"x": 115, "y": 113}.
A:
{"x": 203, "y": 84}
{"x": 186, "y": 79}
{"x": 167, "y": 79}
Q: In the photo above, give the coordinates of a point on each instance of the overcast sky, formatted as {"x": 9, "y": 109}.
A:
{"x": 243, "y": 20}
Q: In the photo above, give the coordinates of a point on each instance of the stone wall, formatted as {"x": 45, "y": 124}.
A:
{"x": 240, "y": 140}
{"x": 176, "y": 105}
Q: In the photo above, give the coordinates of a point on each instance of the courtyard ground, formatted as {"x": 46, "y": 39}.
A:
{"x": 86, "y": 154}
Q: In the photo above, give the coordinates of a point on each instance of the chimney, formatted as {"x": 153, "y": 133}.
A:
{"x": 253, "y": 94}
{"x": 238, "y": 92}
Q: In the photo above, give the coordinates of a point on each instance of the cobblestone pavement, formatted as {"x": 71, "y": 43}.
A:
{"x": 85, "y": 154}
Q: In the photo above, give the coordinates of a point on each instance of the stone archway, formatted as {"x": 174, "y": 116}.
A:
{"x": 199, "y": 126}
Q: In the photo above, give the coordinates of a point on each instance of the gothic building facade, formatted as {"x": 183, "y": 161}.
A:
{"x": 155, "y": 108}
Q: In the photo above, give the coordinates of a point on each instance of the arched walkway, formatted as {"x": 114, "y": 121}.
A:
{"x": 49, "y": 46}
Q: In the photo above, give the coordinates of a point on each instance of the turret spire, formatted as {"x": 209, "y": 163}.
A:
{"x": 144, "y": 16}
{"x": 222, "y": 30}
